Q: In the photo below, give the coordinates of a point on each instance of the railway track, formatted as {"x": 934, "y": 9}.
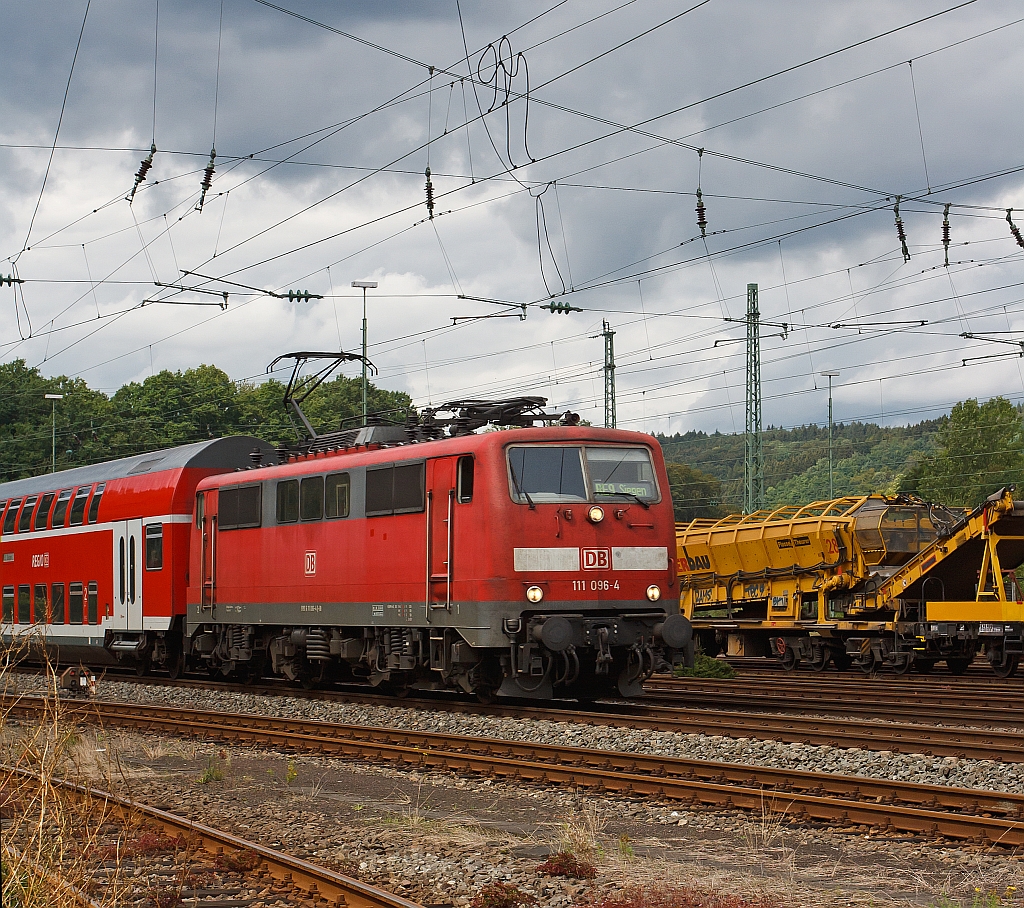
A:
{"x": 932, "y": 811}
{"x": 243, "y": 866}
{"x": 898, "y": 737}
{"x": 981, "y": 707}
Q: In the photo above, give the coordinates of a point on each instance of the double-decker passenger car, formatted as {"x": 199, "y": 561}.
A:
{"x": 94, "y": 559}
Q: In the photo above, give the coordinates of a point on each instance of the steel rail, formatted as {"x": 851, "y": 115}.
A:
{"x": 318, "y": 882}
{"x": 793, "y": 728}
{"x": 931, "y": 810}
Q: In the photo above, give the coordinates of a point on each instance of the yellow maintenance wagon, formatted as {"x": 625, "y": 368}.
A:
{"x": 872, "y": 581}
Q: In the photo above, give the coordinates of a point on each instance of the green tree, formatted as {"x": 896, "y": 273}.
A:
{"x": 694, "y": 494}
{"x": 981, "y": 449}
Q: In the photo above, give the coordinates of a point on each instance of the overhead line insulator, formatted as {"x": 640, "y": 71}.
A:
{"x": 945, "y": 232}
{"x": 564, "y": 308}
{"x": 900, "y": 232}
{"x": 1014, "y": 229}
{"x": 702, "y": 217}
{"x": 140, "y": 176}
{"x": 430, "y": 196}
{"x": 207, "y": 180}
{"x": 10, "y": 280}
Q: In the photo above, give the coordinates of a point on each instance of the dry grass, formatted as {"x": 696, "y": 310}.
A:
{"x": 51, "y": 837}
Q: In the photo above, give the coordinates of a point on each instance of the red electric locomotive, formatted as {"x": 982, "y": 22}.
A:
{"x": 528, "y": 562}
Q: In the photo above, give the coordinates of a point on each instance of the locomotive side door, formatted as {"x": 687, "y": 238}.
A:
{"x": 127, "y": 595}
{"x": 440, "y": 531}
{"x": 209, "y": 550}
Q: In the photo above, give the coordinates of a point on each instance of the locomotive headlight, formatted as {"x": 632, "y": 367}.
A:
{"x": 535, "y": 594}
{"x": 653, "y": 593}
{"x": 595, "y": 514}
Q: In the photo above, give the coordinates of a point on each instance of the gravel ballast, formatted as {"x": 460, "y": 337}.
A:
{"x": 917, "y": 768}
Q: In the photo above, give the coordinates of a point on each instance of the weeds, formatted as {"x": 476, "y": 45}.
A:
{"x": 212, "y": 773}
{"x": 676, "y": 897}
{"x": 502, "y": 895}
{"x": 626, "y": 847}
{"x": 568, "y": 865}
{"x": 291, "y": 773}
{"x": 706, "y": 667}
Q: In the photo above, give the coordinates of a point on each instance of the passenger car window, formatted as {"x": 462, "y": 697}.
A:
{"x": 288, "y": 501}
{"x": 154, "y": 546}
{"x": 75, "y": 599}
{"x": 24, "y": 604}
{"x": 336, "y": 495}
{"x": 12, "y": 516}
{"x": 312, "y": 498}
{"x": 57, "y": 606}
{"x": 94, "y": 505}
{"x": 93, "y": 602}
{"x": 60, "y": 509}
{"x": 44, "y": 511}
{"x": 39, "y": 608}
{"x": 8, "y": 606}
{"x": 78, "y": 506}
{"x": 25, "y": 521}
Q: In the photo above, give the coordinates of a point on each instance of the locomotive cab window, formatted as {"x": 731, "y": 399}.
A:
{"x": 25, "y": 521}
{"x": 78, "y": 507}
{"x": 8, "y": 607}
{"x": 200, "y": 509}
{"x": 617, "y": 473}
{"x": 395, "y": 489}
{"x": 548, "y": 473}
{"x": 154, "y": 546}
{"x": 311, "y": 498}
{"x": 239, "y": 507}
{"x": 60, "y": 509}
{"x": 57, "y": 604}
{"x": 76, "y": 597}
{"x": 44, "y": 511}
{"x": 12, "y": 516}
{"x": 94, "y": 505}
{"x": 337, "y": 491}
{"x": 465, "y": 480}
{"x": 288, "y": 501}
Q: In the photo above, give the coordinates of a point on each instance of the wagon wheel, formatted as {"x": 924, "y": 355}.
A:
{"x": 143, "y": 665}
{"x": 789, "y": 659}
{"x": 1007, "y": 668}
{"x": 902, "y": 663}
{"x": 820, "y": 658}
{"x": 176, "y": 665}
{"x": 924, "y": 666}
{"x": 867, "y": 663}
{"x": 486, "y": 695}
{"x": 841, "y": 661}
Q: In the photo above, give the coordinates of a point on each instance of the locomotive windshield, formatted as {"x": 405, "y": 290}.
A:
{"x": 556, "y": 473}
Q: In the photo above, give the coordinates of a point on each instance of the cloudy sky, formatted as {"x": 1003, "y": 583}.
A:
{"x": 565, "y": 164}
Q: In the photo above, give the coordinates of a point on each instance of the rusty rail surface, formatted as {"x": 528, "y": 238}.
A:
{"x": 930, "y": 810}
{"x": 318, "y": 882}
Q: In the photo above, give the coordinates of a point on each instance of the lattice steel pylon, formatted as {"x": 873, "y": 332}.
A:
{"x": 753, "y": 463}
{"x": 609, "y": 375}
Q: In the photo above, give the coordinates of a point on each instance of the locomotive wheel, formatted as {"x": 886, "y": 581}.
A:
{"x": 957, "y": 666}
{"x": 1007, "y": 668}
{"x": 924, "y": 666}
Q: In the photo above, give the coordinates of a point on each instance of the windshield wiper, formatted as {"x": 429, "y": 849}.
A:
{"x": 632, "y": 495}
{"x": 519, "y": 489}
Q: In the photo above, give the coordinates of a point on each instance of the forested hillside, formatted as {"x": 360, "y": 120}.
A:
{"x": 167, "y": 409}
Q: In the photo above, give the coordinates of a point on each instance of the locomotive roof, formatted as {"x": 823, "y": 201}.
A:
{"x": 219, "y": 453}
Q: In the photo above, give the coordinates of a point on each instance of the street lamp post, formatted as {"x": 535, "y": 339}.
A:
{"x": 830, "y": 373}
{"x": 372, "y": 286}
{"x": 53, "y": 398}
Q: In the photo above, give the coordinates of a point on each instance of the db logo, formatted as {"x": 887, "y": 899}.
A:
{"x": 597, "y": 559}
{"x": 310, "y": 563}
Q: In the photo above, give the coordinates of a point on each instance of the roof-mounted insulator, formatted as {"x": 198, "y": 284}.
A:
{"x": 900, "y": 232}
{"x": 945, "y": 232}
{"x": 430, "y": 196}
{"x": 1014, "y": 229}
{"x": 702, "y": 217}
{"x": 207, "y": 180}
{"x": 147, "y": 162}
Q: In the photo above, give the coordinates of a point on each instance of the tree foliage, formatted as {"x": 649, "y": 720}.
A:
{"x": 167, "y": 409}
{"x": 694, "y": 494}
{"x": 980, "y": 449}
